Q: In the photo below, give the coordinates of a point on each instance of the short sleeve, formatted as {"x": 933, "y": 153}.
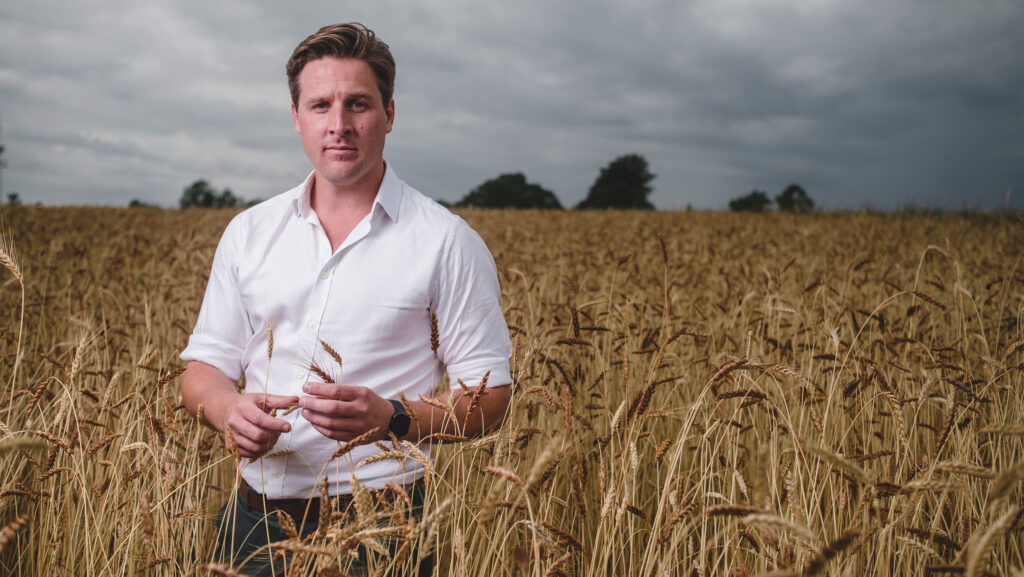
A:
{"x": 222, "y": 329}
{"x": 473, "y": 336}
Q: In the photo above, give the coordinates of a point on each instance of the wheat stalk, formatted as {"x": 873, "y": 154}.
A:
{"x": 11, "y": 530}
{"x": 1004, "y": 481}
{"x": 9, "y": 260}
{"x": 839, "y": 462}
{"x": 983, "y": 544}
{"x": 830, "y": 551}
{"x": 381, "y": 456}
{"x": 969, "y": 469}
{"x": 362, "y": 439}
{"x": 774, "y": 523}
{"x": 222, "y": 569}
{"x": 335, "y": 356}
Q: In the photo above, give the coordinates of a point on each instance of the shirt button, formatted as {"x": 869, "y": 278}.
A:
{"x": 312, "y": 324}
{"x": 300, "y": 373}
{"x": 323, "y": 275}
{"x": 277, "y": 474}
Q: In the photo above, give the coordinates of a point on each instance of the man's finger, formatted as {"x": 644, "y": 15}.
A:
{"x": 335, "y": 391}
{"x": 253, "y": 442}
{"x": 330, "y": 434}
{"x": 270, "y": 402}
{"x": 246, "y": 447}
{"x": 328, "y": 406}
{"x": 337, "y": 424}
{"x": 261, "y": 420}
{"x": 244, "y": 430}
{"x": 344, "y": 436}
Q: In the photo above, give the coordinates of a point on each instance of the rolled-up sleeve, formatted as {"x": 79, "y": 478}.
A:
{"x": 222, "y": 329}
{"x": 473, "y": 336}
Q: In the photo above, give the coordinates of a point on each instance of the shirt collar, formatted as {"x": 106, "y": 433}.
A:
{"x": 389, "y": 195}
{"x": 303, "y": 208}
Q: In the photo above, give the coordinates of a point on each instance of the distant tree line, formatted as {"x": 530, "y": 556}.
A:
{"x": 623, "y": 183}
{"x": 200, "y": 194}
{"x": 793, "y": 199}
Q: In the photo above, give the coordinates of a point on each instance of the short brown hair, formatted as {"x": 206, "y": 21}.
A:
{"x": 346, "y": 40}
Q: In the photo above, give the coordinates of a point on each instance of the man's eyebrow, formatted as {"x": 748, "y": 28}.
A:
{"x": 313, "y": 98}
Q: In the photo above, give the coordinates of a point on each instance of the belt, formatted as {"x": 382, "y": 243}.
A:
{"x": 308, "y": 509}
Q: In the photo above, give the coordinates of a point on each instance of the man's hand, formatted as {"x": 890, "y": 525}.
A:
{"x": 207, "y": 391}
{"x": 343, "y": 412}
{"x": 254, "y": 430}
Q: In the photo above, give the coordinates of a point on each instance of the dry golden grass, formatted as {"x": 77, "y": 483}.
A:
{"x": 696, "y": 394}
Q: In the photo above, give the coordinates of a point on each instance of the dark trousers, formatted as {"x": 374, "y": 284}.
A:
{"x": 244, "y": 533}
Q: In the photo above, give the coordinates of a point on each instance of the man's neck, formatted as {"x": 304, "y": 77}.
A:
{"x": 331, "y": 201}
{"x": 340, "y": 209}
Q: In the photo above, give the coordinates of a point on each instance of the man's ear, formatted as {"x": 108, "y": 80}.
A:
{"x": 389, "y": 111}
{"x": 295, "y": 119}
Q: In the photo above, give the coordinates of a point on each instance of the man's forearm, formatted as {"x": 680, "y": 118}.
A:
{"x": 468, "y": 417}
{"x": 205, "y": 386}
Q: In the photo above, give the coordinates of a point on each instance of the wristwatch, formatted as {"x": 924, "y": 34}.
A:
{"x": 400, "y": 421}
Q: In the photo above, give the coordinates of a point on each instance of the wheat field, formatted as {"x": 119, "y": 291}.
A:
{"x": 696, "y": 394}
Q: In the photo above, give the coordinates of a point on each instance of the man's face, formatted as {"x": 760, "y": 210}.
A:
{"x": 343, "y": 122}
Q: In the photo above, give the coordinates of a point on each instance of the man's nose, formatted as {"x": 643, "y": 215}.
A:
{"x": 340, "y": 121}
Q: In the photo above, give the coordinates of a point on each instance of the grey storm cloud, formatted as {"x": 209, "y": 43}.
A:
{"x": 863, "y": 103}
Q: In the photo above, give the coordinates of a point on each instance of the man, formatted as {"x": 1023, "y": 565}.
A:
{"x": 355, "y": 262}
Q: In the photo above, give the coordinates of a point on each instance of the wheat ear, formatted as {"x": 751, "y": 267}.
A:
{"x": 979, "y": 552}
{"x": 9, "y": 260}
{"x": 11, "y": 530}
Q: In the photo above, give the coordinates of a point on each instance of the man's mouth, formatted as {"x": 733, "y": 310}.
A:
{"x": 340, "y": 152}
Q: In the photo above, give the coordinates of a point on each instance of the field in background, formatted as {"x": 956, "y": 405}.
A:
{"x": 696, "y": 394}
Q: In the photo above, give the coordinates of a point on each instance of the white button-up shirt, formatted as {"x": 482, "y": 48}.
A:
{"x": 370, "y": 300}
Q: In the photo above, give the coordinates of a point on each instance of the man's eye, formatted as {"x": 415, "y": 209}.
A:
{"x": 320, "y": 106}
{"x": 358, "y": 105}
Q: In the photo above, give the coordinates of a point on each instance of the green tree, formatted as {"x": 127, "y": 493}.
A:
{"x": 226, "y": 199}
{"x": 201, "y": 194}
{"x": 624, "y": 183}
{"x": 794, "y": 199}
{"x": 756, "y": 201}
{"x": 510, "y": 191}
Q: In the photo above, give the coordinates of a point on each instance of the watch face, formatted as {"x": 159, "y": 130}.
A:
{"x": 400, "y": 421}
{"x": 400, "y": 424}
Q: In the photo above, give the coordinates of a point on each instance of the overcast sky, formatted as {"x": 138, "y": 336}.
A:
{"x": 880, "y": 103}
